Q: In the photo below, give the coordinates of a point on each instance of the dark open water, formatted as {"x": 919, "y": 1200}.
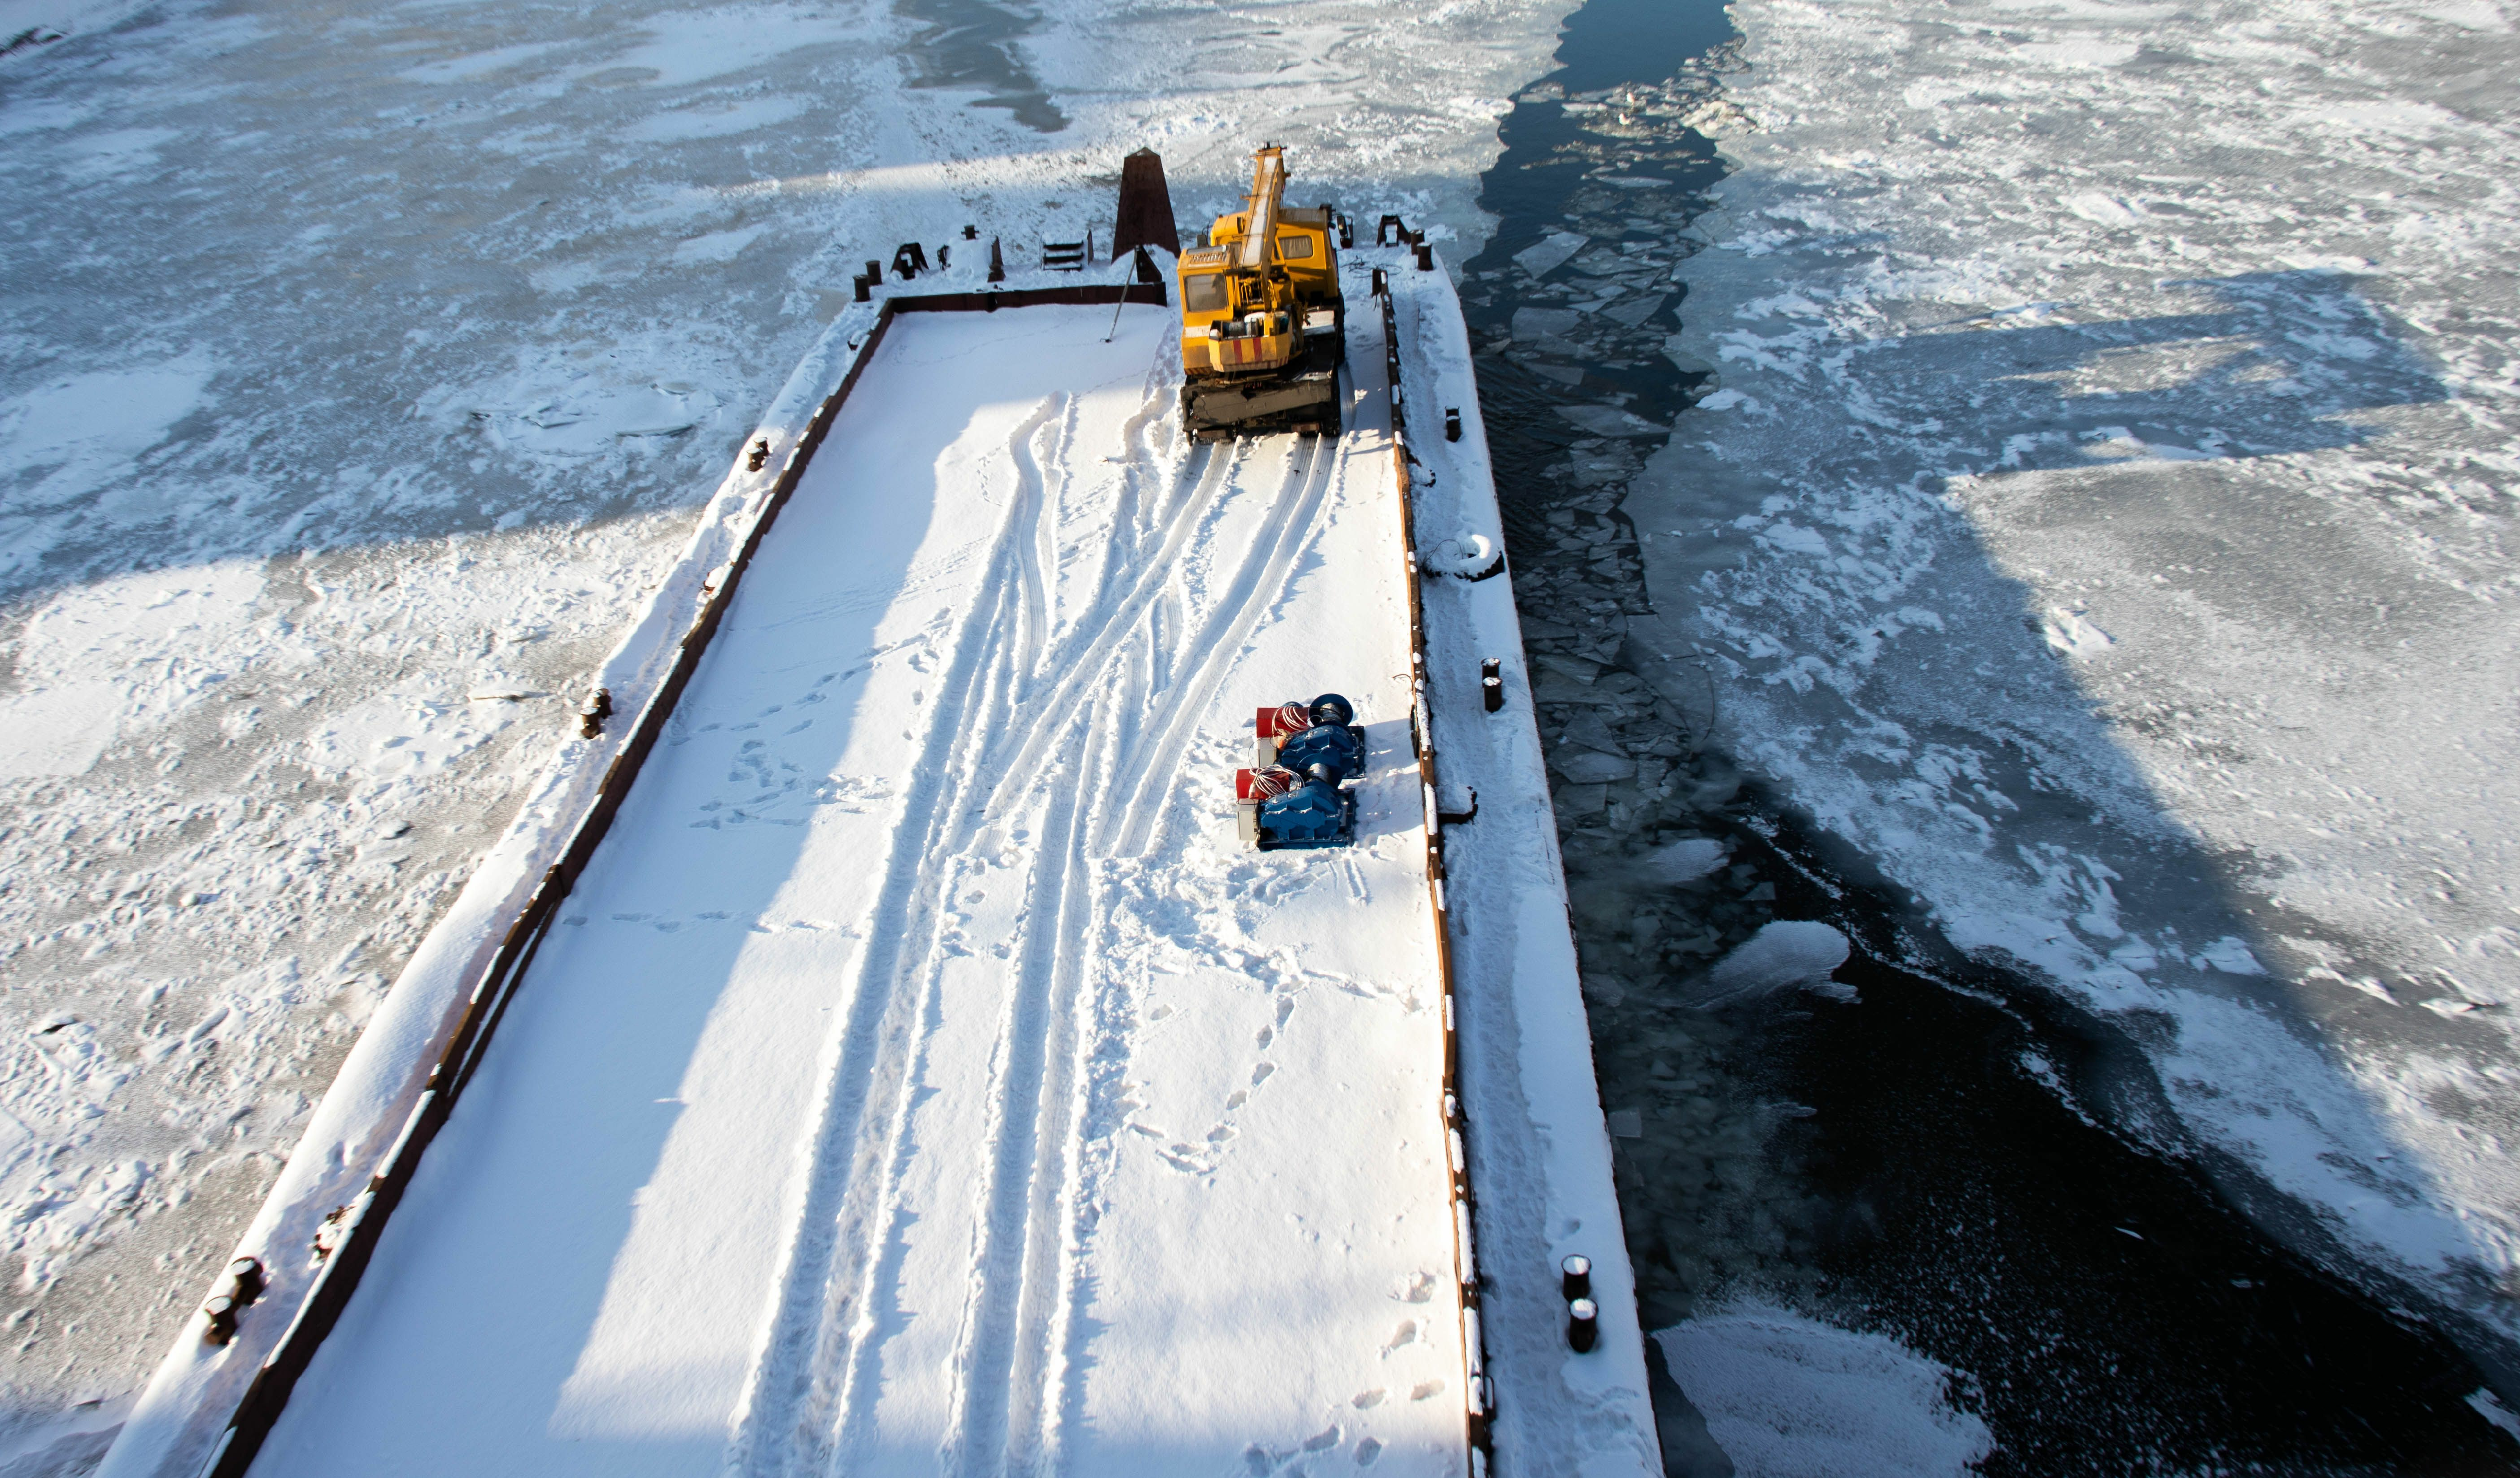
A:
{"x": 1895, "y": 1163}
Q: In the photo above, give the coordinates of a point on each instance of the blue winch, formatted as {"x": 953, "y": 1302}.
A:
{"x": 1295, "y": 793}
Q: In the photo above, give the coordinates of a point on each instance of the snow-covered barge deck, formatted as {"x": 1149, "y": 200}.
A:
{"x": 918, "y": 1075}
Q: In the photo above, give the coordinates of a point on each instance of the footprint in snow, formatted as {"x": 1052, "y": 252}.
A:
{"x": 1185, "y": 1159}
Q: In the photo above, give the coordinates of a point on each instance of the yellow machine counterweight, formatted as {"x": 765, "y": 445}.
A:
{"x": 1263, "y": 325}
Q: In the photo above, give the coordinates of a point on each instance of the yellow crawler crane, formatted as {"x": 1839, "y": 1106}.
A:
{"x": 1263, "y": 325}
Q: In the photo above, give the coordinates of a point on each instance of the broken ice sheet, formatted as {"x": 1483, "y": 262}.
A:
{"x": 2072, "y": 635}
{"x": 1685, "y": 861}
{"x": 1544, "y": 323}
{"x": 1635, "y": 310}
{"x": 1785, "y": 954}
{"x": 1783, "y": 1392}
{"x": 1551, "y": 253}
{"x": 1610, "y": 421}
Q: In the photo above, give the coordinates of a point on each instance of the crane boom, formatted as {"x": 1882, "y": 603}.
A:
{"x": 1268, "y": 197}
{"x": 1263, "y": 322}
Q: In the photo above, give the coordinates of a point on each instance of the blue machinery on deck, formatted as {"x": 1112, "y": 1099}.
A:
{"x": 1294, "y": 796}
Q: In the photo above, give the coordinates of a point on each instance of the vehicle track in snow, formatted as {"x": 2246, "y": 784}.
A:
{"x": 1157, "y": 753}
{"x": 1032, "y": 494}
{"x": 816, "y": 1353}
{"x": 1015, "y": 739}
{"x": 1016, "y": 1292}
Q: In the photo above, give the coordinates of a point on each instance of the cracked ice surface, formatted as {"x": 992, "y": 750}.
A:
{"x": 358, "y": 373}
{"x": 2103, "y": 513}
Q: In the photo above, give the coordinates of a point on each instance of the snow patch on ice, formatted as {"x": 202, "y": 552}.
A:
{"x": 60, "y": 729}
{"x": 480, "y": 64}
{"x": 79, "y": 432}
{"x": 123, "y": 151}
{"x": 119, "y": 656}
{"x": 718, "y": 246}
{"x": 697, "y": 46}
{"x": 2231, "y": 955}
{"x": 715, "y": 120}
{"x": 1786, "y": 1396}
{"x": 2079, "y": 50}
{"x": 588, "y": 413}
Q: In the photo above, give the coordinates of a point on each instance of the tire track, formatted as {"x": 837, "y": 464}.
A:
{"x": 1018, "y": 1362}
{"x": 1063, "y": 1207}
{"x": 1157, "y": 755}
{"x": 787, "y": 1412}
{"x": 1013, "y": 1264}
{"x": 817, "y": 1378}
{"x": 1005, "y": 721}
{"x": 1148, "y": 577}
{"x": 1092, "y": 666}
{"x": 1037, "y": 1029}
{"x": 1032, "y": 508}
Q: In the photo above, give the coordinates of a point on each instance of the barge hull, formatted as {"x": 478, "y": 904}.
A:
{"x": 921, "y": 1075}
